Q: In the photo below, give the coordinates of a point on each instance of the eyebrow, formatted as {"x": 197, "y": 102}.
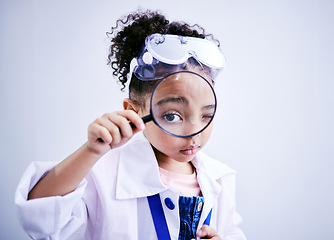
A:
{"x": 171, "y": 99}
{"x": 182, "y": 100}
{"x": 209, "y": 107}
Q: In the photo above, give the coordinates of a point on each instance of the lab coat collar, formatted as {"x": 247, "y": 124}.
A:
{"x": 138, "y": 172}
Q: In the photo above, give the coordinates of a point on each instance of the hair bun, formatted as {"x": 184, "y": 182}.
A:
{"x": 130, "y": 32}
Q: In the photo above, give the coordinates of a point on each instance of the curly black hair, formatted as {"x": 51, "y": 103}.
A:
{"x": 128, "y": 36}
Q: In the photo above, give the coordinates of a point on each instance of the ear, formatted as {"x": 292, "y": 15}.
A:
{"x": 129, "y": 104}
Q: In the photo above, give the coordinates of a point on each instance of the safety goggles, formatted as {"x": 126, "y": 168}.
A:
{"x": 163, "y": 54}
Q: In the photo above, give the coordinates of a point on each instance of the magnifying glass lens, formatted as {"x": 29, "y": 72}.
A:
{"x": 183, "y": 104}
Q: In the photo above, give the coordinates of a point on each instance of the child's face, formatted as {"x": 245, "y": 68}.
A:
{"x": 168, "y": 147}
{"x": 175, "y": 148}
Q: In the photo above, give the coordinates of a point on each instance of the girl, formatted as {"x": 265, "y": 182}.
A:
{"x": 132, "y": 180}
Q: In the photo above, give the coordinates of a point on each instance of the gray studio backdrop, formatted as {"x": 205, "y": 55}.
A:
{"x": 274, "y": 124}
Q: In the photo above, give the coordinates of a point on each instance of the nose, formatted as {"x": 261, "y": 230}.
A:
{"x": 194, "y": 138}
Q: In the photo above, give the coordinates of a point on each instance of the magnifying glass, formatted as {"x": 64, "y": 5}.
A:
{"x": 182, "y": 104}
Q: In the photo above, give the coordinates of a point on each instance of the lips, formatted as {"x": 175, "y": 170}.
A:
{"x": 190, "y": 150}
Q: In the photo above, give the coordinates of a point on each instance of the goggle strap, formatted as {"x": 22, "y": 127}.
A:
{"x": 133, "y": 65}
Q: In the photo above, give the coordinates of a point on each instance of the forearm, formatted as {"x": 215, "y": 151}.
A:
{"x": 105, "y": 133}
{"x": 67, "y": 175}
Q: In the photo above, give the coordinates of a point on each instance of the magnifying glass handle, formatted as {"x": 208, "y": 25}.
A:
{"x": 146, "y": 119}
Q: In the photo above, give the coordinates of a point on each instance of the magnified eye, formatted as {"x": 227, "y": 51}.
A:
{"x": 172, "y": 117}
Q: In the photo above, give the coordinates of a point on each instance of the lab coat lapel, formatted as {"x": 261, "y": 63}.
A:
{"x": 138, "y": 171}
{"x": 207, "y": 176}
{"x": 138, "y": 176}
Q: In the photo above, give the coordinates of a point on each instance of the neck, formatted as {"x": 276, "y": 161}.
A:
{"x": 172, "y": 165}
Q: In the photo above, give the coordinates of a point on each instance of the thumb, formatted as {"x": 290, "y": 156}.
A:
{"x": 207, "y": 232}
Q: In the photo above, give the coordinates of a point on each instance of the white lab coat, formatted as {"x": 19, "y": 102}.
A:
{"x": 111, "y": 202}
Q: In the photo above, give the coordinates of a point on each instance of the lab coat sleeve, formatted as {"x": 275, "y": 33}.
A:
{"x": 50, "y": 217}
{"x": 233, "y": 232}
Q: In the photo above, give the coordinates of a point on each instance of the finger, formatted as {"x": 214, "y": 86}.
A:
{"x": 207, "y": 232}
{"x": 111, "y": 128}
{"x": 118, "y": 124}
{"x": 122, "y": 120}
{"x": 123, "y": 124}
{"x": 96, "y": 132}
{"x": 134, "y": 118}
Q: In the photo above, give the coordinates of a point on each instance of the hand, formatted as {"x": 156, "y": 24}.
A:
{"x": 112, "y": 130}
{"x": 207, "y": 232}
